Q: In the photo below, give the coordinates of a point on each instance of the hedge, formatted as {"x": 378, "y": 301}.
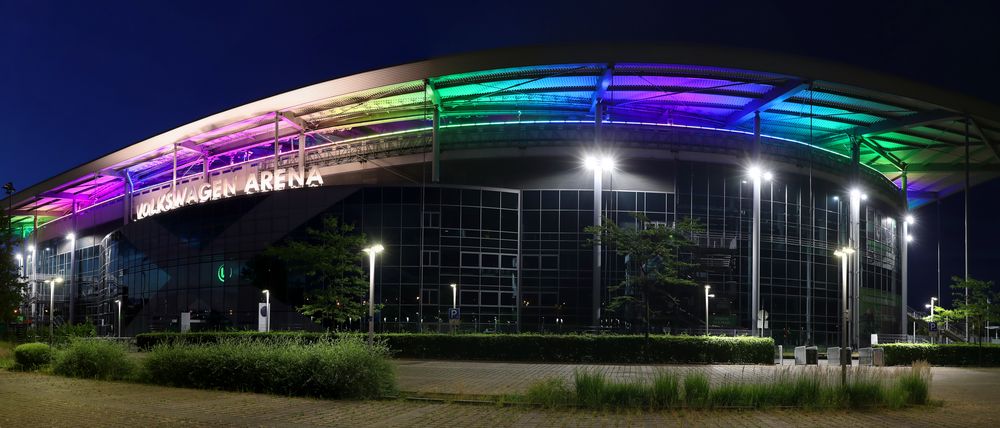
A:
{"x": 533, "y": 347}
{"x": 957, "y": 354}
{"x": 32, "y": 356}
{"x": 343, "y": 368}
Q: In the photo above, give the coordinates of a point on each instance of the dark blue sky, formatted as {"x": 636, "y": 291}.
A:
{"x": 81, "y": 79}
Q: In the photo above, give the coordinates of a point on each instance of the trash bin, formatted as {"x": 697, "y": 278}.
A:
{"x": 779, "y": 356}
{"x": 871, "y": 357}
{"x": 805, "y": 355}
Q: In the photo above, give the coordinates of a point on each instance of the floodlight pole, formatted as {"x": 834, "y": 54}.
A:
{"x": 966, "y": 214}
{"x": 707, "y": 296}
{"x": 598, "y": 206}
{"x": 755, "y": 234}
{"x": 904, "y": 247}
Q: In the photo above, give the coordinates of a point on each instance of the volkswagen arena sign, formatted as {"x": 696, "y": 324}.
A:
{"x": 225, "y": 186}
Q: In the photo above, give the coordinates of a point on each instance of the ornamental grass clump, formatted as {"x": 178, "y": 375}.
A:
{"x": 792, "y": 387}
{"x": 329, "y": 368}
{"x": 94, "y": 359}
{"x": 32, "y": 356}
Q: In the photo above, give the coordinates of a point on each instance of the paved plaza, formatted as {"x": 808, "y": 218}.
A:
{"x": 29, "y": 399}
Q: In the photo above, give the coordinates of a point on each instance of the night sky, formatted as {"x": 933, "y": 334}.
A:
{"x": 81, "y": 79}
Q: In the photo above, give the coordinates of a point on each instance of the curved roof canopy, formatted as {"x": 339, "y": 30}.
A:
{"x": 898, "y": 124}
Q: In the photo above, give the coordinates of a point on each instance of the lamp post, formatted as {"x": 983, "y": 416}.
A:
{"x": 707, "y": 296}
{"x": 599, "y": 165}
{"x": 931, "y": 306}
{"x": 52, "y": 302}
{"x": 267, "y": 308}
{"x": 372, "y": 251}
{"x": 71, "y": 281}
{"x": 844, "y": 253}
{"x": 756, "y": 174}
{"x": 119, "y": 318}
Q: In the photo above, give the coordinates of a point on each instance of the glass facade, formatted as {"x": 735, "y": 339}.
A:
{"x": 519, "y": 256}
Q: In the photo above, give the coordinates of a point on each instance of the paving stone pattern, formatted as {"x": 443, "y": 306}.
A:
{"x": 29, "y": 399}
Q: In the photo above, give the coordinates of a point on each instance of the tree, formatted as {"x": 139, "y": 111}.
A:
{"x": 12, "y": 284}
{"x": 977, "y": 308}
{"x": 327, "y": 261}
{"x": 652, "y": 252}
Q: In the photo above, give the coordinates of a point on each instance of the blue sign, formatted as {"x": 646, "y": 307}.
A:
{"x": 932, "y": 327}
{"x": 454, "y": 313}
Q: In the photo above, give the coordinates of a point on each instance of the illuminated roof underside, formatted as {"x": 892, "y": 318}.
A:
{"x": 895, "y": 132}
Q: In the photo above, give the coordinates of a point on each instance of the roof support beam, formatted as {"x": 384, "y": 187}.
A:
{"x": 294, "y": 120}
{"x": 64, "y": 195}
{"x": 941, "y": 167}
{"x": 603, "y": 83}
{"x": 986, "y": 141}
{"x": 190, "y": 145}
{"x": 891, "y": 125}
{"x": 431, "y": 89}
{"x": 775, "y": 96}
{"x": 895, "y": 161}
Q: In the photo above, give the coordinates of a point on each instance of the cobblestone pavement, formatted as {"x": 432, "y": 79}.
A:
{"x": 28, "y": 399}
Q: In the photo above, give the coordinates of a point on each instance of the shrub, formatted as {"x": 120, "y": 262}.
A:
{"x": 957, "y": 354}
{"x": 94, "y": 359}
{"x": 526, "y": 347}
{"x": 32, "y": 356}
{"x": 343, "y": 368}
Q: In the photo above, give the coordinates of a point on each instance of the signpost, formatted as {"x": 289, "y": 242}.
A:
{"x": 454, "y": 317}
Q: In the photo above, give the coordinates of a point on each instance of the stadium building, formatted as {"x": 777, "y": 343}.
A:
{"x": 473, "y": 170}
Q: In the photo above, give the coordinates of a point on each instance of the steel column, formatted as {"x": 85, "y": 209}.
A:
{"x": 302, "y": 158}
{"x": 855, "y": 244}
{"x": 598, "y": 219}
{"x": 904, "y": 248}
{"x": 755, "y": 234}
{"x": 966, "y": 214}
{"x": 436, "y": 146}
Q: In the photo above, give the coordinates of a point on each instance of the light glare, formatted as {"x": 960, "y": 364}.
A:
{"x": 909, "y": 219}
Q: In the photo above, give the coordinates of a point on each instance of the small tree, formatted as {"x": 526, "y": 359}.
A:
{"x": 977, "y": 308}
{"x": 653, "y": 253}
{"x": 12, "y": 284}
{"x": 328, "y": 261}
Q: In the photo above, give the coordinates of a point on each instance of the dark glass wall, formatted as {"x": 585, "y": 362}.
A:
{"x": 518, "y": 255}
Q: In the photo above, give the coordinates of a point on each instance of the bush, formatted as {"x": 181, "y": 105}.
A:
{"x": 696, "y": 389}
{"x": 94, "y": 359}
{"x": 343, "y": 368}
{"x": 958, "y": 354}
{"x": 32, "y": 356}
{"x": 527, "y": 347}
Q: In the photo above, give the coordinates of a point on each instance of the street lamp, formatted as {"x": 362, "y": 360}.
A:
{"x": 267, "y": 308}
{"x": 599, "y": 165}
{"x": 372, "y": 251}
{"x": 844, "y": 253}
{"x": 756, "y": 174}
{"x": 119, "y": 329}
{"x": 52, "y": 303}
{"x": 454, "y": 295}
{"x": 707, "y": 296}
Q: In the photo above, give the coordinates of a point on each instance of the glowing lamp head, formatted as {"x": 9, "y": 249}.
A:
{"x": 909, "y": 219}
{"x": 836, "y": 198}
{"x": 909, "y": 238}
{"x": 454, "y": 285}
{"x": 711, "y": 295}
{"x": 768, "y": 175}
{"x": 31, "y": 248}
{"x": 58, "y": 280}
{"x": 374, "y": 249}
{"x": 927, "y": 306}
{"x": 18, "y": 256}
{"x": 855, "y": 193}
{"x": 70, "y": 236}
{"x": 754, "y": 172}
{"x": 599, "y": 163}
